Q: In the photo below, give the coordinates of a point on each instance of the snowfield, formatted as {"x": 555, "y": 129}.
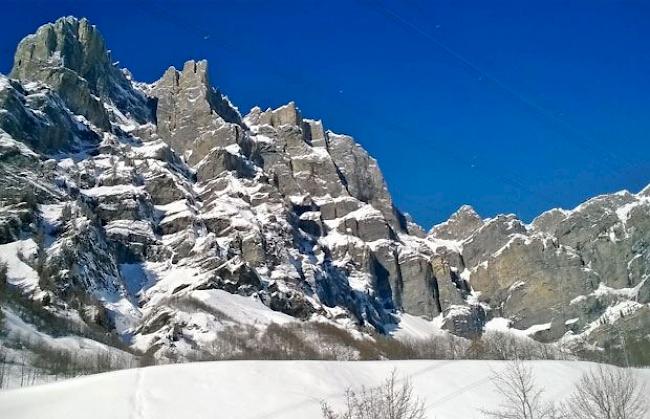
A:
{"x": 273, "y": 389}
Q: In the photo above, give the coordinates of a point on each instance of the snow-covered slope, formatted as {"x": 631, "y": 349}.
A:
{"x": 282, "y": 390}
{"x": 159, "y": 215}
{"x": 159, "y": 219}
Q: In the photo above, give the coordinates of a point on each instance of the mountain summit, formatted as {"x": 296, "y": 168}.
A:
{"x": 71, "y": 57}
{"x": 158, "y": 219}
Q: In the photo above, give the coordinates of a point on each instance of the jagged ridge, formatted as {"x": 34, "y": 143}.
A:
{"x": 153, "y": 210}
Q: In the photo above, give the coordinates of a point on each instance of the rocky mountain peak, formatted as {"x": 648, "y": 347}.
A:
{"x": 645, "y": 191}
{"x": 193, "y": 116}
{"x": 70, "y": 56}
{"x": 268, "y": 216}
{"x": 460, "y": 225}
{"x": 197, "y": 70}
{"x": 549, "y": 220}
{"x": 69, "y": 42}
{"x": 194, "y": 74}
{"x": 288, "y": 114}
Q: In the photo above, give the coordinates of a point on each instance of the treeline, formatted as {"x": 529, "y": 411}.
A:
{"x": 27, "y": 358}
{"x": 324, "y": 341}
{"x": 41, "y": 362}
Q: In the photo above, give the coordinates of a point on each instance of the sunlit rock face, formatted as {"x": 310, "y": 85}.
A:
{"x": 71, "y": 57}
{"x": 161, "y": 215}
{"x": 191, "y": 115}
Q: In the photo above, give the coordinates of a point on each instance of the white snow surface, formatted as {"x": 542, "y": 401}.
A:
{"x": 8, "y": 141}
{"x": 4, "y": 82}
{"x": 274, "y": 389}
{"x": 112, "y": 190}
{"x": 417, "y": 328}
{"x": 20, "y": 273}
{"x": 245, "y": 310}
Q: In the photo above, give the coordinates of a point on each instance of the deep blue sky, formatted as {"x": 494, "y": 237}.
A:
{"x": 511, "y": 106}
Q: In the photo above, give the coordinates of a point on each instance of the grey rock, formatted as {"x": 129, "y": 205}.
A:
{"x": 193, "y": 116}
{"x": 40, "y": 119}
{"x": 291, "y": 302}
{"x": 284, "y": 115}
{"x": 533, "y": 280}
{"x": 368, "y": 228}
{"x": 449, "y": 288}
{"x": 490, "y": 237}
{"x": 465, "y": 321}
{"x": 162, "y": 189}
{"x": 126, "y": 205}
{"x": 177, "y": 223}
{"x": 314, "y": 133}
{"x": 220, "y": 160}
{"x": 418, "y": 295}
{"x": 548, "y": 221}
{"x": 460, "y": 225}
{"x": 252, "y": 249}
{"x": 70, "y": 56}
{"x": 604, "y": 240}
{"x": 361, "y": 175}
{"x": 299, "y": 167}
{"x": 339, "y": 208}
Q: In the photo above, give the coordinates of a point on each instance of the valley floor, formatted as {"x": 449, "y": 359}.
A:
{"x": 274, "y": 389}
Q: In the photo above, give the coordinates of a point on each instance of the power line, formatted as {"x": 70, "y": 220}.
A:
{"x": 393, "y": 127}
{"x": 531, "y": 104}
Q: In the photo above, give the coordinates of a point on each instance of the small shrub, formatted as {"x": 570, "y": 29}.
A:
{"x": 607, "y": 392}
{"x": 390, "y": 400}
{"x": 3, "y": 276}
{"x": 521, "y": 397}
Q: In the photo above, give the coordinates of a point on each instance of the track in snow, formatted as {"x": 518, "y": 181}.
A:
{"x": 272, "y": 389}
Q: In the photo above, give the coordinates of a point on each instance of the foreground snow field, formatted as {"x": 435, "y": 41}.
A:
{"x": 270, "y": 389}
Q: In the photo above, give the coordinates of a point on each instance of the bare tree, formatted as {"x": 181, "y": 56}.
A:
{"x": 522, "y": 398}
{"x": 607, "y": 392}
{"x": 3, "y": 367}
{"x": 3, "y": 283}
{"x": 390, "y": 400}
{"x": 3, "y": 273}
{"x": 23, "y": 370}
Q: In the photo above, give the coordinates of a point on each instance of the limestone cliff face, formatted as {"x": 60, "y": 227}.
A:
{"x": 146, "y": 203}
{"x": 191, "y": 115}
{"x": 568, "y": 274}
{"x": 165, "y": 190}
{"x": 40, "y": 118}
{"x": 70, "y": 56}
{"x": 460, "y": 225}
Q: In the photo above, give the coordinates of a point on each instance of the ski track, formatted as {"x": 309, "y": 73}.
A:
{"x": 275, "y": 389}
{"x": 138, "y": 398}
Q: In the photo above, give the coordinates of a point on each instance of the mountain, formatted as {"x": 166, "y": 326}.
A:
{"x": 159, "y": 220}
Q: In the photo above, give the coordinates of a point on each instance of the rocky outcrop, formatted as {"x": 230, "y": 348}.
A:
{"x": 40, "y": 118}
{"x": 151, "y": 211}
{"x": 558, "y": 277}
{"x": 548, "y": 221}
{"x": 362, "y": 176}
{"x": 460, "y": 225}
{"x": 191, "y": 115}
{"x": 419, "y": 286}
{"x": 490, "y": 237}
{"x": 70, "y": 56}
{"x": 465, "y": 321}
{"x": 221, "y": 160}
{"x": 532, "y": 281}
